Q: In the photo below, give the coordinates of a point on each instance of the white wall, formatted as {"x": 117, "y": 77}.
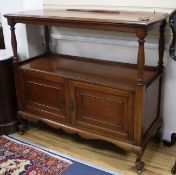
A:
{"x": 25, "y": 42}
{"x": 109, "y": 45}
{"x": 6, "y": 7}
{"x": 118, "y": 4}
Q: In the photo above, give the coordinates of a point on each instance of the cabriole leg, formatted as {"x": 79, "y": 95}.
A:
{"x": 22, "y": 126}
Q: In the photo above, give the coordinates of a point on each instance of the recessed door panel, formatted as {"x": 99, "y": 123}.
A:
{"x": 44, "y": 97}
{"x": 102, "y": 110}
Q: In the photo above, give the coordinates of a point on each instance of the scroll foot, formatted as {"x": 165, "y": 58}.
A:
{"x": 22, "y": 126}
{"x": 139, "y": 165}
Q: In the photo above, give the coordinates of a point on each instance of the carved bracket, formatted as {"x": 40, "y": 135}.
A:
{"x": 12, "y": 24}
{"x": 141, "y": 57}
{"x": 172, "y": 24}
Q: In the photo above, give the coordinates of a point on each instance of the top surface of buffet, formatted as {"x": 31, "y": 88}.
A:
{"x": 88, "y": 18}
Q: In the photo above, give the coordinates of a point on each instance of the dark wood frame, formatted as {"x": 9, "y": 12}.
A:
{"x": 140, "y": 29}
{"x": 172, "y": 47}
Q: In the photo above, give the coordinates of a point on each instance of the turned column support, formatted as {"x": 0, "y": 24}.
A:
{"x": 139, "y": 99}
{"x": 161, "y": 44}
{"x": 141, "y": 60}
{"x": 13, "y": 40}
{"x": 47, "y": 39}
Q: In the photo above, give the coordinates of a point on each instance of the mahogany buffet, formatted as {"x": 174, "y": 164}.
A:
{"x": 111, "y": 101}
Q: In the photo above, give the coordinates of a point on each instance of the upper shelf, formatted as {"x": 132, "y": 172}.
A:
{"x": 96, "y": 19}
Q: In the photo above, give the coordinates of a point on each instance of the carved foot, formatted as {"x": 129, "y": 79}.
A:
{"x": 22, "y": 126}
{"x": 174, "y": 169}
{"x": 21, "y": 129}
{"x": 173, "y": 141}
{"x": 139, "y": 165}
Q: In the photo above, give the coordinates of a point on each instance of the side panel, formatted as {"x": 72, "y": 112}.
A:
{"x": 151, "y": 105}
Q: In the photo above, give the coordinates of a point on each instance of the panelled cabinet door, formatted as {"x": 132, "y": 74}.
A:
{"x": 105, "y": 111}
{"x": 43, "y": 96}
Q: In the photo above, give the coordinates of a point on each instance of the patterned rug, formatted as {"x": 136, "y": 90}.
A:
{"x": 19, "y": 157}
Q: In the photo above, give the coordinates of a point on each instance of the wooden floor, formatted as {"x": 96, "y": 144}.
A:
{"x": 159, "y": 159}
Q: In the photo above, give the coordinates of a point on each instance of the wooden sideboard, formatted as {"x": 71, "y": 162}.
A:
{"x": 112, "y": 101}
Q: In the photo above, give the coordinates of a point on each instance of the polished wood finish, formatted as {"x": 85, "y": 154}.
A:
{"x": 116, "y": 102}
{"x": 119, "y": 75}
{"x": 8, "y": 105}
{"x": 43, "y": 97}
{"x": 103, "y": 110}
{"x": 172, "y": 23}
{"x": 13, "y": 39}
{"x": 126, "y": 21}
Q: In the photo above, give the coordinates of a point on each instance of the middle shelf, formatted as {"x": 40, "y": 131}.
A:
{"x": 100, "y": 72}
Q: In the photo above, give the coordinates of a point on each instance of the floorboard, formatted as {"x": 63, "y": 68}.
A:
{"x": 159, "y": 159}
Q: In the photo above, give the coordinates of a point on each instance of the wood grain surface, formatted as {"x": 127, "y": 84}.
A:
{"x": 123, "y": 17}
{"x": 159, "y": 159}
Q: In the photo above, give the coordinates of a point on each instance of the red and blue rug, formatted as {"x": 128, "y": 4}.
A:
{"x": 19, "y": 157}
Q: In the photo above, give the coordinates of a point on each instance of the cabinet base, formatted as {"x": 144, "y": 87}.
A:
{"x": 127, "y": 146}
{"x": 22, "y": 126}
{"x": 8, "y": 128}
